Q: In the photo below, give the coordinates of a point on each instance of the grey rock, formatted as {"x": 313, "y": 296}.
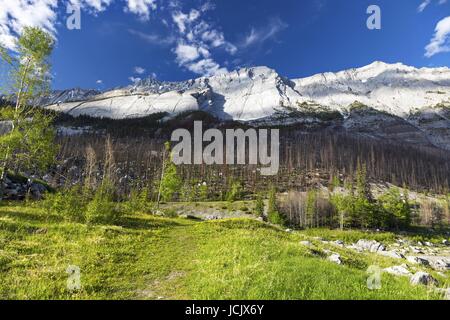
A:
{"x": 335, "y": 258}
{"x": 398, "y": 271}
{"x": 423, "y": 278}
{"x": 339, "y": 243}
{"x": 370, "y": 245}
{"x": 392, "y": 254}
{"x": 306, "y": 243}
{"x": 440, "y": 264}
{"x": 6, "y": 127}
{"x": 417, "y": 260}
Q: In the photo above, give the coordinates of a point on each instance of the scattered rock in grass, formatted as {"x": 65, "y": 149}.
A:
{"x": 335, "y": 258}
{"x": 429, "y": 244}
{"x": 392, "y": 254}
{"x": 306, "y": 243}
{"x": 399, "y": 271}
{"x": 416, "y": 250}
{"x": 288, "y": 230}
{"x": 339, "y": 243}
{"x": 440, "y": 264}
{"x": 446, "y": 242}
{"x": 445, "y": 293}
{"x": 417, "y": 260}
{"x": 370, "y": 245}
{"x": 41, "y": 231}
{"x": 211, "y": 217}
{"x": 354, "y": 247}
{"x": 423, "y": 278}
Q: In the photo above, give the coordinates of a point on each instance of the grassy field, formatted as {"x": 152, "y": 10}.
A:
{"x": 148, "y": 257}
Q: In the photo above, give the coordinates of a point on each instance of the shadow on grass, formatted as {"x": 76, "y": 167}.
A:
{"x": 138, "y": 223}
{"x": 25, "y": 216}
{"x": 427, "y": 233}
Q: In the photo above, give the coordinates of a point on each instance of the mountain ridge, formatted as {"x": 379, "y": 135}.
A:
{"x": 259, "y": 92}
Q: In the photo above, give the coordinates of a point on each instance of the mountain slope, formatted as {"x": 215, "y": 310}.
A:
{"x": 410, "y": 104}
{"x": 254, "y": 93}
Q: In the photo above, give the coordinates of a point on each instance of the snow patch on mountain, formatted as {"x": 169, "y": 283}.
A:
{"x": 256, "y": 93}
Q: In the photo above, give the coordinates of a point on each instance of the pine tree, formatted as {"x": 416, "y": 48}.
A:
{"x": 259, "y": 205}
{"x": 170, "y": 181}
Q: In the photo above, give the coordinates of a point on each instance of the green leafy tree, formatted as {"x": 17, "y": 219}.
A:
{"x": 259, "y": 205}
{"x": 29, "y": 143}
{"x": 170, "y": 182}
{"x": 273, "y": 214}
{"x": 234, "y": 191}
{"x": 397, "y": 208}
{"x": 311, "y": 199}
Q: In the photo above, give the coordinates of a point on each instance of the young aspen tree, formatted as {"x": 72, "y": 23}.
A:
{"x": 29, "y": 143}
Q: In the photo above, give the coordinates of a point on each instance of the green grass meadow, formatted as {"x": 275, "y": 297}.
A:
{"x": 148, "y": 257}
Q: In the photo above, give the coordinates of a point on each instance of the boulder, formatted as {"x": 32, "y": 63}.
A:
{"x": 6, "y": 127}
{"x": 370, "y": 245}
{"x": 339, "y": 243}
{"x": 392, "y": 254}
{"x": 398, "y": 271}
{"x": 423, "y": 278}
{"x": 417, "y": 260}
{"x": 306, "y": 243}
{"x": 335, "y": 258}
{"x": 440, "y": 264}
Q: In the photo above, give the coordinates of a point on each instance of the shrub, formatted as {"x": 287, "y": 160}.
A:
{"x": 259, "y": 205}
{"x": 138, "y": 201}
{"x": 235, "y": 191}
{"x": 102, "y": 209}
{"x": 273, "y": 215}
{"x": 397, "y": 208}
{"x": 69, "y": 204}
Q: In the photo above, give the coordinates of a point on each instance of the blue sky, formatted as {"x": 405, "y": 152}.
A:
{"x": 123, "y": 40}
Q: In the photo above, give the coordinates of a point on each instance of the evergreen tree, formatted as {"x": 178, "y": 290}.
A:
{"x": 259, "y": 205}
{"x": 170, "y": 181}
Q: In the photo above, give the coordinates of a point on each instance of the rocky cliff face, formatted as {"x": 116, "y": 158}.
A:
{"x": 401, "y": 101}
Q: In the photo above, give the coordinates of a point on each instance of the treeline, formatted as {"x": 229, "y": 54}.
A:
{"x": 307, "y": 161}
{"x": 352, "y": 205}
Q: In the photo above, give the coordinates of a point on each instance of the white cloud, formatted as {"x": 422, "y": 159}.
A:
{"x": 260, "y": 35}
{"x": 206, "y": 67}
{"x": 181, "y": 19}
{"x": 441, "y": 39}
{"x": 423, "y": 5}
{"x": 15, "y": 15}
{"x": 186, "y": 53}
{"x": 141, "y": 7}
{"x": 139, "y": 70}
{"x": 153, "y": 38}
{"x": 134, "y": 80}
{"x": 93, "y": 6}
{"x": 426, "y": 3}
{"x": 99, "y": 82}
{"x": 196, "y": 40}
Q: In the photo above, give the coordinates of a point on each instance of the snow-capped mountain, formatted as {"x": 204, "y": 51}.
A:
{"x": 259, "y": 92}
{"x": 387, "y": 101}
